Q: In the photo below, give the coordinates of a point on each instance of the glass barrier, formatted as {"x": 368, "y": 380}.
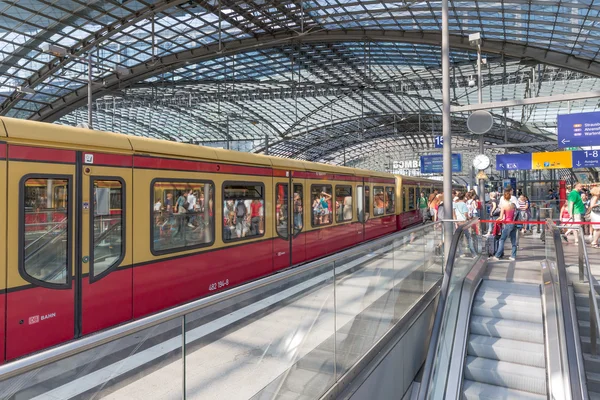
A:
{"x": 468, "y": 246}
{"x": 286, "y": 338}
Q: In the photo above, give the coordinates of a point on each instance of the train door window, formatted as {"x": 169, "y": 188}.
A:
{"x": 298, "y": 208}
{"x": 243, "y": 210}
{"x": 281, "y": 210}
{"x": 411, "y": 198}
{"x": 45, "y": 231}
{"x": 367, "y": 202}
{"x": 321, "y": 204}
{"x": 343, "y": 203}
{"x": 405, "y": 207}
{"x": 390, "y": 200}
{"x": 378, "y": 200}
{"x": 360, "y": 203}
{"x": 182, "y": 216}
{"x": 107, "y": 214}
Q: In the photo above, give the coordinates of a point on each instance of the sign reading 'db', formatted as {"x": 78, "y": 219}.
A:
{"x": 582, "y": 129}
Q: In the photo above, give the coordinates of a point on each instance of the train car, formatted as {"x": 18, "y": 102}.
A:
{"x": 101, "y": 228}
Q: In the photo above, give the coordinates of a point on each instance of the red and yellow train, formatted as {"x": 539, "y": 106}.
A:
{"x": 99, "y": 228}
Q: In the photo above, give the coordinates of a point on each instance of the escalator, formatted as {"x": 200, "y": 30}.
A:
{"x": 505, "y": 349}
{"x": 503, "y": 330}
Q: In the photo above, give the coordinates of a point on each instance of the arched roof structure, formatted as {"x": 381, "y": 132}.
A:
{"x": 323, "y": 80}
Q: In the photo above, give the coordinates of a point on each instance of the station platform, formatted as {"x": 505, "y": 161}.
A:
{"x": 388, "y": 319}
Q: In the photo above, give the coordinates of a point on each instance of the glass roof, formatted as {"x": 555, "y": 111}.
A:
{"x": 309, "y": 79}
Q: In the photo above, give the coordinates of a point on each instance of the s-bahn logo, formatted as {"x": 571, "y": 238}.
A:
{"x": 36, "y": 318}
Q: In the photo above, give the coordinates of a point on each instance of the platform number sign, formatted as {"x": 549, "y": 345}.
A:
{"x": 439, "y": 142}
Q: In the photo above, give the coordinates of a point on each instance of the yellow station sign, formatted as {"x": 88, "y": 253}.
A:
{"x": 552, "y": 160}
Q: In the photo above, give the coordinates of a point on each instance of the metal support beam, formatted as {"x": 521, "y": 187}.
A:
{"x": 446, "y": 130}
{"x": 524, "y": 144}
{"x": 522, "y": 102}
{"x": 90, "y": 90}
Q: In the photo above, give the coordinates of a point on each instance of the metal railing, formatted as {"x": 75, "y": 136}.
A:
{"x": 569, "y": 351}
{"x": 585, "y": 271}
{"x": 415, "y": 259}
{"x": 434, "y": 365}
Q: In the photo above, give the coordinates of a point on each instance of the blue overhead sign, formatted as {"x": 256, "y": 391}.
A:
{"x": 439, "y": 142}
{"x": 433, "y": 164}
{"x": 576, "y": 130}
{"x": 586, "y": 159}
{"x": 513, "y": 162}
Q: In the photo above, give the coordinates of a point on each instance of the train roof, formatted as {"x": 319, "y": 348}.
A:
{"x": 55, "y": 135}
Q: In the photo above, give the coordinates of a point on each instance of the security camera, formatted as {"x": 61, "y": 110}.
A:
{"x": 471, "y": 82}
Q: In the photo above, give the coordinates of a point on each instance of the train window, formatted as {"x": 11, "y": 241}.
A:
{"x": 281, "y": 210}
{"x": 243, "y": 210}
{"x": 390, "y": 200}
{"x": 298, "y": 208}
{"x": 411, "y": 198}
{"x": 107, "y": 223}
{"x": 360, "y": 203}
{"x": 378, "y": 200}
{"x": 321, "y": 204}
{"x": 46, "y": 230}
{"x": 343, "y": 203}
{"x": 367, "y": 203}
{"x": 182, "y": 216}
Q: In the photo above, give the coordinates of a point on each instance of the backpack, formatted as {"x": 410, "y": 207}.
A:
{"x": 240, "y": 210}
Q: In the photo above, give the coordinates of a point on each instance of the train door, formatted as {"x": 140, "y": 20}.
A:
{"x": 289, "y": 245}
{"x": 282, "y": 245}
{"x": 298, "y": 211}
{"x": 40, "y": 296}
{"x": 105, "y": 281}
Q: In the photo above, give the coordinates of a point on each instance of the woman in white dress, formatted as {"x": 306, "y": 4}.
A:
{"x": 595, "y": 215}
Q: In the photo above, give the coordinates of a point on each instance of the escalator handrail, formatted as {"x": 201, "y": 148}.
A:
{"x": 57, "y": 224}
{"x": 575, "y": 379}
{"x": 592, "y": 281}
{"x": 439, "y": 312}
{"x": 104, "y": 234}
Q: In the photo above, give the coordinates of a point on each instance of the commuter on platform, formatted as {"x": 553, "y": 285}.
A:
{"x": 523, "y": 207}
{"x": 461, "y": 214}
{"x": 585, "y": 198}
{"x": 430, "y": 203}
{"x": 507, "y": 216}
{"x": 552, "y": 201}
{"x": 493, "y": 210}
{"x": 434, "y": 207}
{"x": 595, "y": 216}
{"x": 576, "y": 208}
{"x": 423, "y": 207}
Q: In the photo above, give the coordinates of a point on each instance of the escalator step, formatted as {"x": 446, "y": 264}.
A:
{"x": 514, "y": 351}
{"x": 476, "y": 390}
{"x": 507, "y": 329}
{"x": 508, "y": 311}
{"x": 506, "y": 374}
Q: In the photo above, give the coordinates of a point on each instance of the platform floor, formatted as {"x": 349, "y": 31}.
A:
{"x": 526, "y": 268}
